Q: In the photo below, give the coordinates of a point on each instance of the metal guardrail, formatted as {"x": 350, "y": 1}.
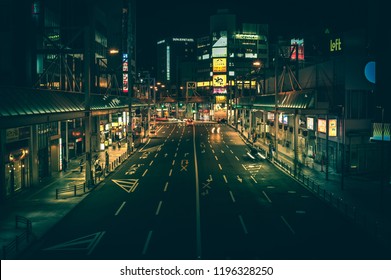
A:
{"x": 21, "y": 240}
{"x": 373, "y": 227}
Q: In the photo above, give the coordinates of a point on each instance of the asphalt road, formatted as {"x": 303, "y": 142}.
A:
{"x": 191, "y": 193}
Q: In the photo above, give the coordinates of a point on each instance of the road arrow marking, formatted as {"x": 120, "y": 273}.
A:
{"x": 128, "y": 185}
{"x": 239, "y": 179}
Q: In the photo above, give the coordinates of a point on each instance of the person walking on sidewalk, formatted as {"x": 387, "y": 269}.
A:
{"x": 64, "y": 164}
{"x": 81, "y": 165}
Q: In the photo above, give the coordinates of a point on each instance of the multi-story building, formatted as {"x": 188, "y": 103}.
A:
{"x": 50, "y": 47}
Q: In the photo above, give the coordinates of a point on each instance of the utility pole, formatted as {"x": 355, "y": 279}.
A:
{"x": 276, "y": 100}
{"x": 129, "y": 46}
{"x": 87, "y": 92}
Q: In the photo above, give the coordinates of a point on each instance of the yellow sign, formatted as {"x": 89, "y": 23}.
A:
{"x": 322, "y": 125}
{"x": 332, "y": 127}
{"x": 221, "y": 99}
{"x": 219, "y": 65}
{"x": 219, "y": 80}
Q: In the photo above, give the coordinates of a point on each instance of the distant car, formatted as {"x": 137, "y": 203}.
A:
{"x": 189, "y": 122}
{"x": 255, "y": 154}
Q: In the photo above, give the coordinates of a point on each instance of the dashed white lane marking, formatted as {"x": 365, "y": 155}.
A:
{"x": 145, "y": 172}
{"x": 254, "y": 179}
{"x": 173, "y": 162}
{"x": 243, "y": 225}
{"x": 225, "y": 179}
{"x": 232, "y": 196}
{"x": 151, "y": 163}
{"x": 268, "y": 199}
{"x": 216, "y": 158}
{"x": 220, "y": 167}
{"x": 166, "y": 186}
{"x": 158, "y": 208}
{"x": 170, "y": 172}
{"x": 147, "y": 242}
{"x": 237, "y": 158}
{"x": 288, "y": 225}
{"x": 119, "y": 209}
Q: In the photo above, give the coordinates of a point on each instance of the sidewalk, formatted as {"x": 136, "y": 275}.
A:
{"x": 38, "y": 209}
{"x": 360, "y": 199}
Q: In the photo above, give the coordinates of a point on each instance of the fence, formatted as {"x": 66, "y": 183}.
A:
{"x": 20, "y": 241}
{"x": 373, "y": 227}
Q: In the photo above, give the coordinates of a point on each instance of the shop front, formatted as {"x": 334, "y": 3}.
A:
{"x": 17, "y": 160}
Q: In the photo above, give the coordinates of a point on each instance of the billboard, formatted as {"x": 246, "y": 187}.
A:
{"x": 333, "y": 127}
{"x": 219, "y": 80}
{"x": 322, "y": 125}
{"x": 219, "y": 52}
{"x": 310, "y": 123}
{"x": 219, "y": 65}
{"x": 297, "y": 45}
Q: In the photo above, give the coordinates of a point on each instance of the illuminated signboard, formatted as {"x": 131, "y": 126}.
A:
{"x": 221, "y": 99}
{"x": 297, "y": 44}
{"x": 183, "y": 39}
{"x": 270, "y": 116}
{"x": 219, "y": 90}
{"x": 125, "y": 72}
{"x": 335, "y": 45}
{"x": 333, "y": 127}
{"x": 322, "y": 125}
{"x": 283, "y": 119}
{"x": 219, "y": 65}
{"x": 310, "y": 123}
{"x": 219, "y": 80}
{"x": 381, "y": 132}
{"x": 247, "y": 37}
{"x": 219, "y": 52}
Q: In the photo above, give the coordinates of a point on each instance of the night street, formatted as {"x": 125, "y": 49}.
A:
{"x": 193, "y": 194}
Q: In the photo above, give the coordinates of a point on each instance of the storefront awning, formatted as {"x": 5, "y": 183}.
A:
{"x": 286, "y": 100}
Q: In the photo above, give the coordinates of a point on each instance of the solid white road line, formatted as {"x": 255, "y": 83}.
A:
{"x": 119, "y": 209}
{"x": 243, "y": 225}
{"x": 197, "y": 191}
{"x": 147, "y": 242}
{"x": 288, "y": 225}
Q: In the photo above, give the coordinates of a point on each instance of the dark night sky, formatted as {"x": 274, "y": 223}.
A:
{"x": 161, "y": 19}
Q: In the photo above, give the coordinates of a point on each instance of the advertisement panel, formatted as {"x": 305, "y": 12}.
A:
{"x": 219, "y": 52}
{"x": 297, "y": 44}
{"x": 310, "y": 123}
{"x": 322, "y": 125}
{"x": 333, "y": 127}
{"x": 219, "y": 65}
{"x": 219, "y": 80}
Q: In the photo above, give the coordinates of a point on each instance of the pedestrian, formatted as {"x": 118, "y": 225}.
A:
{"x": 81, "y": 165}
{"x": 64, "y": 164}
{"x": 119, "y": 145}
